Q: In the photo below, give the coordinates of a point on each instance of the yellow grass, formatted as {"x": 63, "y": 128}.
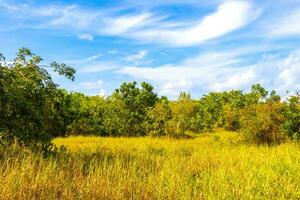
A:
{"x": 212, "y": 166}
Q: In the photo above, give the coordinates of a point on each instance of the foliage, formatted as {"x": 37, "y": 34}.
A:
{"x": 27, "y": 96}
{"x": 158, "y": 118}
{"x": 231, "y": 116}
{"x": 183, "y": 112}
{"x": 116, "y": 118}
{"x": 291, "y": 126}
{"x": 33, "y": 109}
{"x": 262, "y": 123}
{"x": 136, "y": 101}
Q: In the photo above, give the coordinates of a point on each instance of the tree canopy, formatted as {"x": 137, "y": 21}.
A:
{"x": 33, "y": 109}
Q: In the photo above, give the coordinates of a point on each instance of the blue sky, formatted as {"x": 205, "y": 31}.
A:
{"x": 176, "y": 45}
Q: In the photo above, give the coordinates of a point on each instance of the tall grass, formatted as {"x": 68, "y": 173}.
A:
{"x": 213, "y": 166}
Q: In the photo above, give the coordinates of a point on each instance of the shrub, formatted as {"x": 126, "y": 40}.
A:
{"x": 231, "y": 118}
{"x": 27, "y": 99}
{"x": 291, "y": 126}
{"x": 261, "y": 123}
{"x": 157, "y": 119}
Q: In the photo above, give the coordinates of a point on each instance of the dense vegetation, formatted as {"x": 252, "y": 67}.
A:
{"x": 33, "y": 109}
{"x": 213, "y": 165}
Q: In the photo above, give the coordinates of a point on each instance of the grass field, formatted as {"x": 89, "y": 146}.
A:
{"x": 212, "y": 166}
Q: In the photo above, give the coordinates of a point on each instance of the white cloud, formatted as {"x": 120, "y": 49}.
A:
{"x": 273, "y": 72}
{"x": 92, "y": 85}
{"x": 203, "y": 68}
{"x": 280, "y": 73}
{"x": 195, "y": 3}
{"x": 229, "y": 16}
{"x": 18, "y": 8}
{"x": 172, "y": 89}
{"x": 98, "y": 67}
{"x": 289, "y": 72}
{"x": 122, "y": 24}
{"x": 72, "y": 16}
{"x": 138, "y": 56}
{"x": 102, "y": 93}
{"x": 93, "y": 57}
{"x": 146, "y": 26}
{"x": 238, "y": 80}
{"x": 287, "y": 25}
{"x": 86, "y": 37}
{"x": 197, "y": 72}
{"x": 113, "y": 52}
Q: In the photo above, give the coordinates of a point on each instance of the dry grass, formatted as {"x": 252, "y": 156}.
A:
{"x": 213, "y": 166}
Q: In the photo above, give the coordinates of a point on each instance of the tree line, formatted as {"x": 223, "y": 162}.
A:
{"x": 33, "y": 109}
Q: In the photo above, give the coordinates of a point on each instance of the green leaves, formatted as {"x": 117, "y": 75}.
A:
{"x": 291, "y": 126}
{"x": 28, "y": 98}
{"x": 136, "y": 102}
{"x": 64, "y": 69}
{"x": 33, "y": 109}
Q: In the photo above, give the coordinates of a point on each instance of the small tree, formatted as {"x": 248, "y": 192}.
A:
{"x": 27, "y": 98}
{"x": 136, "y": 101}
{"x": 158, "y": 118}
{"x": 291, "y": 126}
{"x": 261, "y": 123}
{"x": 231, "y": 117}
{"x": 183, "y": 113}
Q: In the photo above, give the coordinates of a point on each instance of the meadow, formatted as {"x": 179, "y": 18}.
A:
{"x": 212, "y": 166}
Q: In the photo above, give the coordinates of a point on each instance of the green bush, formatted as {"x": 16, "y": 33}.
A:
{"x": 28, "y": 98}
{"x": 157, "y": 119}
{"x": 291, "y": 126}
{"x": 231, "y": 118}
{"x": 261, "y": 123}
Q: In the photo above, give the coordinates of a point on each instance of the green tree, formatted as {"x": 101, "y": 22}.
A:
{"x": 183, "y": 112}
{"x": 136, "y": 102}
{"x": 116, "y": 118}
{"x": 27, "y": 98}
{"x": 291, "y": 126}
{"x": 257, "y": 94}
{"x": 261, "y": 123}
{"x": 158, "y": 118}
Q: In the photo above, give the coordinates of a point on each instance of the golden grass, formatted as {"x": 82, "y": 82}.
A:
{"x": 212, "y": 166}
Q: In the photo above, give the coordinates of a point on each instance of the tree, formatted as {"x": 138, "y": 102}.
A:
{"x": 261, "y": 123}
{"x": 78, "y": 115}
{"x": 27, "y": 98}
{"x": 136, "y": 102}
{"x": 183, "y": 112}
{"x": 158, "y": 118}
{"x": 274, "y": 97}
{"x": 291, "y": 126}
{"x": 257, "y": 94}
{"x": 116, "y": 118}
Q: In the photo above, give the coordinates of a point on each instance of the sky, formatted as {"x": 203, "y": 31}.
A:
{"x": 197, "y": 46}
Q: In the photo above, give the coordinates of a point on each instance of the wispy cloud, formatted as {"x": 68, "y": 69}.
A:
{"x": 219, "y": 45}
{"x": 123, "y": 24}
{"x": 223, "y": 73}
{"x": 13, "y": 7}
{"x": 172, "y": 88}
{"x": 287, "y": 25}
{"x": 97, "y": 86}
{"x": 138, "y": 56}
{"x": 86, "y": 37}
{"x": 199, "y": 71}
{"x": 93, "y": 84}
{"x": 113, "y": 52}
{"x": 98, "y": 67}
{"x": 229, "y": 16}
{"x": 94, "y": 57}
{"x": 146, "y": 26}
